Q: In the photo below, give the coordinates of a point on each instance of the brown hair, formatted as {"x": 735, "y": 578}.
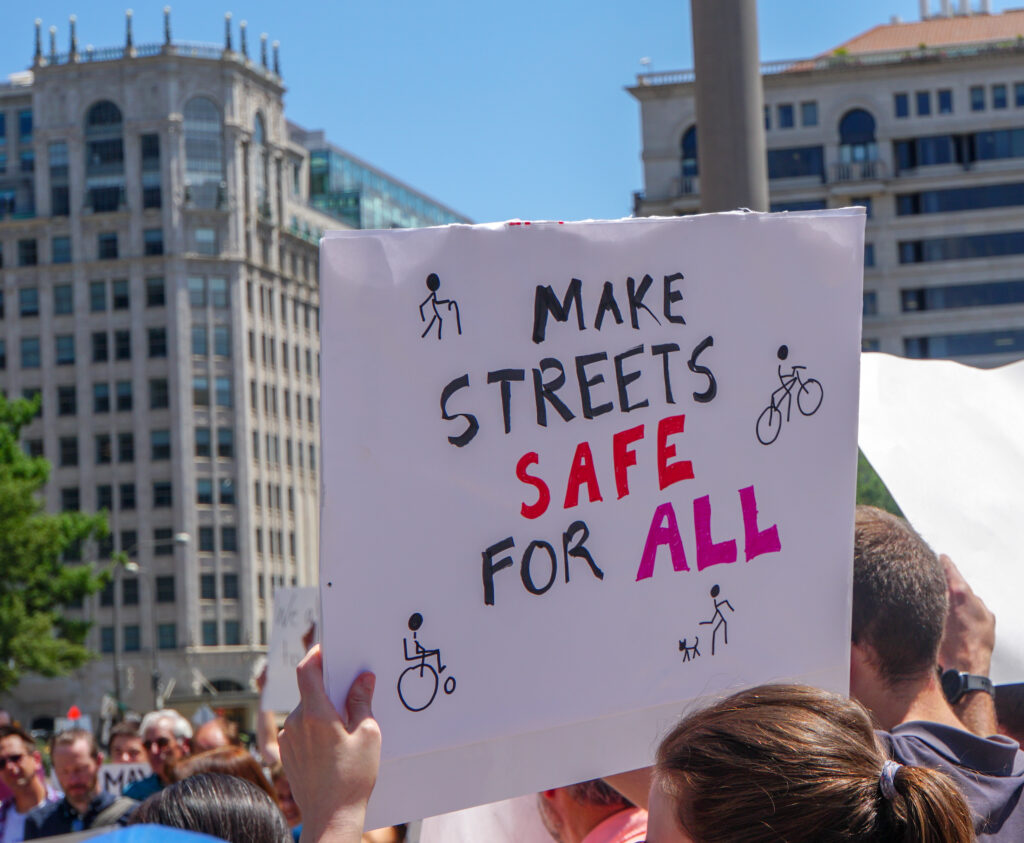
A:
{"x": 12, "y": 729}
{"x": 793, "y": 763}
{"x": 227, "y": 760}
{"x": 596, "y": 792}
{"x": 69, "y": 736}
{"x": 900, "y": 597}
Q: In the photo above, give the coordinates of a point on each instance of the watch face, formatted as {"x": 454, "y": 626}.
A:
{"x": 952, "y": 684}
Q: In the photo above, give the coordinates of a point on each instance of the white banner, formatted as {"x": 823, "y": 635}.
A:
{"x": 296, "y": 611}
{"x": 577, "y": 475}
{"x": 114, "y": 778}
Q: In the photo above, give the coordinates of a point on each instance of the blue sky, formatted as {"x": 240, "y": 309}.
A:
{"x": 499, "y": 110}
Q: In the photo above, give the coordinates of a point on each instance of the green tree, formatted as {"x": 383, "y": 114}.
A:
{"x": 870, "y": 488}
{"x": 35, "y": 584}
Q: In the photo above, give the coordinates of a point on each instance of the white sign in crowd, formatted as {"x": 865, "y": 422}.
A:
{"x": 577, "y": 476}
{"x": 296, "y": 611}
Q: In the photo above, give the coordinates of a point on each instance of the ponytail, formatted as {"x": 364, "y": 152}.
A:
{"x": 926, "y": 807}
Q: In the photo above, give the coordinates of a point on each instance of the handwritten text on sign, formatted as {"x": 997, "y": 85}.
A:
{"x": 594, "y": 470}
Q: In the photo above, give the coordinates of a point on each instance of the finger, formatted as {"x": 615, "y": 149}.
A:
{"x": 360, "y": 698}
{"x": 310, "y": 677}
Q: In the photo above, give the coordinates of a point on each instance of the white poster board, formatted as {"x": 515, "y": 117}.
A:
{"x": 947, "y": 440}
{"x": 577, "y": 475}
{"x": 114, "y": 778}
{"x": 296, "y": 610}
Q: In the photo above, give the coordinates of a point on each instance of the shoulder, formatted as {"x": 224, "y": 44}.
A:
{"x": 40, "y": 817}
{"x": 143, "y": 788}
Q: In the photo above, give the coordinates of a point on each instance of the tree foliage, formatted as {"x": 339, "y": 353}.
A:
{"x": 35, "y": 584}
{"x": 870, "y": 488}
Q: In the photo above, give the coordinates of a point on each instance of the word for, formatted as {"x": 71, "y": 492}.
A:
{"x": 582, "y": 473}
{"x": 573, "y": 547}
{"x": 549, "y": 377}
{"x": 665, "y": 531}
{"x": 546, "y": 303}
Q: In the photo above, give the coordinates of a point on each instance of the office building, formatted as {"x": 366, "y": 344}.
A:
{"x": 923, "y": 123}
{"x": 158, "y": 287}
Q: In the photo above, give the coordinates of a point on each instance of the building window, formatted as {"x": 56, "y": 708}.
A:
{"x": 163, "y": 541}
{"x": 28, "y": 301}
{"x": 230, "y": 586}
{"x": 120, "y": 295}
{"x": 870, "y": 305}
{"x": 227, "y": 491}
{"x": 209, "y": 632}
{"x": 160, "y": 445}
{"x": 155, "y": 292}
{"x": 126, "y": 447}
{"x": 688, "y": 148}
{"x": 200, "y": 391}
{"x": 122, "y": 345}
{"x": 30, "y": 353}
{"x": 68, "y": 449}
{"x": 204, "y": 490}
{"x": 167, "y": 636}
{"x": 232, "y": 633}
{"x": 101, "y": 398}
{"x": 208, "y": 585}
{"x": 199, "y": 347}
{"x": 162, "y": 494}
{"x": 959, "y": 345}
{"x": 67, "y": 400}
{"x": 945, "y": 101}
{"x": 969, "y": 247}
{"x": 219, "y": 292}
{"x": 204, "y": 153}
{"x": 165, "y": 589}
{"x": 99, "y": 347}
{"x": 202, "y": 437}
{"x": 97, "y": 296}
{"x": 150, "y": 148}
{"x": 999, "y": 96}
{"x": 159, "y": 394}
{"x": 924, "y": 103}
{"x": 206, "y": 241}
{"x": 126, "y": 496}
{"x": 63, "y": 299}
{"x": 153, "y": 241}
{"x": 794, "y": 162}
{"x": 857, "y": 137}
{"x": 3, "y": 354}
{"x": 106, "y": 245}
{"x": 65, "y": 347}
{"x": 869, "y": 254}
{"x": 228, "y": 542}
{"x": 785, "y": 113}
{"x": 61, "y": 249}
{"x": 104, "y": 450}
{"x": 105, "y": 497}
{"x": 222, "y": 340}
{"x": 223, "y": 389}
{"x": 952, "y": 296}
{"x": 157, "y": 342}
{"x": 28, "y": 252}
{"x": 197, "y": 292}
{"x": 104, "y": 157}
{"x": 106, "y": 639}
{"x": 225, "y": 442}
{"x": 27, "y": 161}
{"x": 977, "y": 98}
{"x": 809, "y": 113}
{"x": 130, "y": 592}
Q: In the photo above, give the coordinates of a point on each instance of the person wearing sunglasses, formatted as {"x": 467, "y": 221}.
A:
{"x": 20, "y": 764}
{"x": 166, "y": 735}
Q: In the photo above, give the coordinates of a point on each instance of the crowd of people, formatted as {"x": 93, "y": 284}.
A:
{"x": 921, "y": 751}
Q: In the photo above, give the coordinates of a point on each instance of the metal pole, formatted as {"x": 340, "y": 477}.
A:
{"x": 730, "y": 105}
{"x": 117, "y": 626}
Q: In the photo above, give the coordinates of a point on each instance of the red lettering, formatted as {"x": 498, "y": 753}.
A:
{"x": 623, "y": 457}
{"x": 582, "y": 473}
{"x": 669, "y": 473}
{"x": 543, "y": 495}
{"x": 664, "y": 530}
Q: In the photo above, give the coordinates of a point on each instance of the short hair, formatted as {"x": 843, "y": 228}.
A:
{"x": 900, "y": 599}
{"x": 228, "y": 760}
{"x": 789, "y": 762}
{"x": 125, "y": 728}
{"x": 18, "y": 732}
{"x": 596, "y": 792}
{"x": 212, "y": 803}
{"x": 69, "y": 736}
{"x": 180, "y": 727}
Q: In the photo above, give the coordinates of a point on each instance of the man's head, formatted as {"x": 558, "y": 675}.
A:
{"x": 900, "y": 599}
{"x": 571, "y": 813}
{"x": 214, "y": 734}
{"x": 5, "y": 717}
{"x": 19, "y": 760}
{"x": 165, "y": 735}
{"x": 76, "y": 763}
{"x": 126, "y": 744}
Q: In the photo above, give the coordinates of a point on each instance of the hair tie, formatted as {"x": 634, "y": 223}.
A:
{"x": 887, "y": 779}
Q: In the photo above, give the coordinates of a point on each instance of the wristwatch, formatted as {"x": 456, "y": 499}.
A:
{"x": 955, "y": 684}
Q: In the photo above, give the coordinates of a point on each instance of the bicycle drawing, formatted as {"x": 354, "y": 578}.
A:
{"x": 419, "y": 682}
{"x": 809, "y": 394}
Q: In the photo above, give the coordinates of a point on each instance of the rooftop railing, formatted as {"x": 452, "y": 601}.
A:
{"x": 178, "y": 48}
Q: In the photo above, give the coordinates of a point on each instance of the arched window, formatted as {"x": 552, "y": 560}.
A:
{"x": 204, "y": 153}
{"x": 857, "y": 137}
{"x": 259, "y": 134}
{"x": 259, "y": 139}
{"x": 689, "y": 152}
{"x": 104, "y": 156}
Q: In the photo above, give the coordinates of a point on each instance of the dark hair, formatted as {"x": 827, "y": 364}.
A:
{"x": 69, "y": 736}
{"x": 596, "y": 792}
{"x": 900, "y": 597}
{"x": 793, "y": 763}
{"x": 1010, "y": 710}
{"x": 125, "y": 727}
{"x": 226, "y": 760}
{"x": 18, "y": 732}
{"x": 223, "y": 806}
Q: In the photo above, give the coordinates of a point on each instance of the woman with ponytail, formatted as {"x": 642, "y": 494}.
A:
{"x": 794, "y": 764}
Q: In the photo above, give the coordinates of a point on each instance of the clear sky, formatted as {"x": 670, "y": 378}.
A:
{"x": 499, "y": 110}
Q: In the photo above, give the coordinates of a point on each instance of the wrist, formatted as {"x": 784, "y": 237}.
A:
{"x": 956, "y": 685}
{"x": 340, "y": 826}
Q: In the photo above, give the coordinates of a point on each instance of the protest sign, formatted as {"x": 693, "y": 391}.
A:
{"x": 114, "y": 778}
{"x": 946, "y": 439}
{"x": 295, "y": 613}
{"x": 577, "y": 475}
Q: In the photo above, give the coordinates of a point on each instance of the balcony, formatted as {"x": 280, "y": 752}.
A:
{"x": 858, "y": 171}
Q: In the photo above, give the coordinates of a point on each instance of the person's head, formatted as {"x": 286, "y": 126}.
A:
{"x": 283, "y": 789}
{"x": 793, "y": 763}
{"x": 226, "y": 760}
{"x": 571, "y": 813}
{"x": 213, "y": 734}
{"x": 900, "y": 602}
{"x": 223, "y": 806}
{"x": 1010, "y": 710}
{"x": 76, "y": 762}
{"x": 19, "y": 759}
{"x": 165, "y": 735}
{"x": 126, "y": 744}
{"x": 5, "y": 717}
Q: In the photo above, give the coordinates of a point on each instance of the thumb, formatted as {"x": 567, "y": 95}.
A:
{"x": 360, "y": 696}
